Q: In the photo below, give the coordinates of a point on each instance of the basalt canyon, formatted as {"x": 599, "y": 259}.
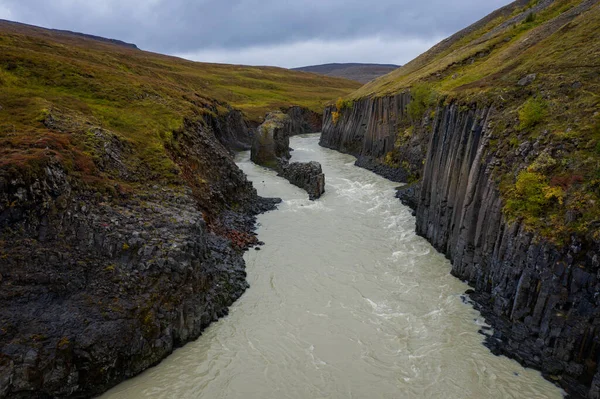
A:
{"x": 460, "y": 221}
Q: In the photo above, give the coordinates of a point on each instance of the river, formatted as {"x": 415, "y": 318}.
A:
{"x": 345, "y": 301}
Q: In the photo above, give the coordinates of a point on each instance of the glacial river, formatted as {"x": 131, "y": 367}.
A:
{"x": 345, "y": 301}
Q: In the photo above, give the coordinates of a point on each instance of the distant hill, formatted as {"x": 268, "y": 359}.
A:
{"x": 59, "y": 32}
{"x": 362, "y": 73}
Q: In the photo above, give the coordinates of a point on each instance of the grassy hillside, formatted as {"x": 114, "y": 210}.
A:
{"x": 359, "y": 72}
{"x": 538, "y": 63}
{"x": 56, "y": 87}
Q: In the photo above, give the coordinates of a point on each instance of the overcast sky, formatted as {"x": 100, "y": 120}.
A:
{"x": 263, "y": 32}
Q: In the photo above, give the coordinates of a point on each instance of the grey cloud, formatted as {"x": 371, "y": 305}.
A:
{"x": 185, "y": 26}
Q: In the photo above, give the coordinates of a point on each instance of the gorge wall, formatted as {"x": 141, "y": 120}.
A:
{"x": 97, "y": 285}
{"x": 541, "y": 299}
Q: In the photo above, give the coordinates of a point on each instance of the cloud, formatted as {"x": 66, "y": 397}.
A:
{"x": 209, "y": 27}
{"x": 310, "y": 52}
{"x": 5, "y": 12}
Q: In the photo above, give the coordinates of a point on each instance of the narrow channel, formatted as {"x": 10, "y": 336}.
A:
{"x": 345, "y": 301}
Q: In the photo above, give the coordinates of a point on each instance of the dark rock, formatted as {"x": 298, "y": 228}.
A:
{"x": 541, "y": 300}
{"x": 409, "y": 195}
{"x": 397, "y": 174}
{"x": 271, "y": 143}
{"x": 527, "y": 80}
{"x": 271, "y": 148}
{"x": 304, "y": 121}
{"x": 306, "y": 175}
{"x": 97, "y": 288}
{"x": 231, "y": 129}
{"x": 369, "y": 129}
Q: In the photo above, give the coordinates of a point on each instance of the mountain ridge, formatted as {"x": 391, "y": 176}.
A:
{"x": 73, "y": 33}
{"x": 360, "y": 72}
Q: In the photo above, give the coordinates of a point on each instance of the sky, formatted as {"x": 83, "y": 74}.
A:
{"x": 263, "y": 32}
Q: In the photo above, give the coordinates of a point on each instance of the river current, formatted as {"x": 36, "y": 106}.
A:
{"x": 345, "y": 301}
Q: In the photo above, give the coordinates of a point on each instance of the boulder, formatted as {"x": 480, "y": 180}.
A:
{"x": 527, "y": 80}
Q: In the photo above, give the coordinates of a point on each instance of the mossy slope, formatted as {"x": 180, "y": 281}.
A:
{"x": 57, "y": 89}
{"x": 537, "y": 63}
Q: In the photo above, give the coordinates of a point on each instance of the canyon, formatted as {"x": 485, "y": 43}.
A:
{"x": 125, "y": 221}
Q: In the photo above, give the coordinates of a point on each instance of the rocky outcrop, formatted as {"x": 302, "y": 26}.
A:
{"x": 271, "y": 148}
{"x": 409, "y": 195}
{"x": 271, "y": 143}
{"x": 304, "y": 121}
{"x": 97, "y": 286}
{"x": 232, "y": 130}
{"x": 368, "y": 130}
{"x": 306, "y": 175}
{"x": 542, "y": 300}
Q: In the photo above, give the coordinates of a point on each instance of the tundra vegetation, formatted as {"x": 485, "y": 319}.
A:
{"x": 57, "y": 90}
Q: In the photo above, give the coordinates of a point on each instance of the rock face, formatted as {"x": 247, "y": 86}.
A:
{"x": 304, "y": 121}
{"x": 271, "y": 148}
{"x": 409, "y": 195}
{"x": 306, "y": 175}
{"x": 271, "y": 143}
{"x": 95, "y": 288}
{"x": 232, "y": 130}
{"x": 542, "y": 300}
{"x": 368, "y": 130}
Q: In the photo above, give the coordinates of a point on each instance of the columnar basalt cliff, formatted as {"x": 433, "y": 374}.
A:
{"x": 368, "y": 129}
{"x": 304, "y": 120}
{"x": 542, "y": 299}
{"x": 502, "y": 157}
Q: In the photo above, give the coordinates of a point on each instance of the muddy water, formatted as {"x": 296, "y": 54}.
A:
{"x": 345, "y": 302}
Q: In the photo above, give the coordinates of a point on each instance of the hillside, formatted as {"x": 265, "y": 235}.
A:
{"x": 497, "y": 131}
{"x": 141, "y": 96}
{"x": 537, "y": 61}
{"x": 63, "y": 33}
{"x": 362, "y": 73}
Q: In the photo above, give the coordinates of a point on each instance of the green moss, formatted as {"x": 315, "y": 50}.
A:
{"x": 530, "y": 196}
{"x": 423, "y": 97}
{"x": 391, "y": 160}
{"x": 530, "y": 18}
{"x": 342, "y": 104}
{"x": 543, "y": 163}
{"x": 404, "y": 135}
{"x": 532, "y": 112}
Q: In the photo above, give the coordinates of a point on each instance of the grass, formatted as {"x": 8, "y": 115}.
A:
{"x": 423, "y": 98}
{"x": 559, "y": 110}
{"x": 56, "y": 88}
{"x": 532, "y": 112}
